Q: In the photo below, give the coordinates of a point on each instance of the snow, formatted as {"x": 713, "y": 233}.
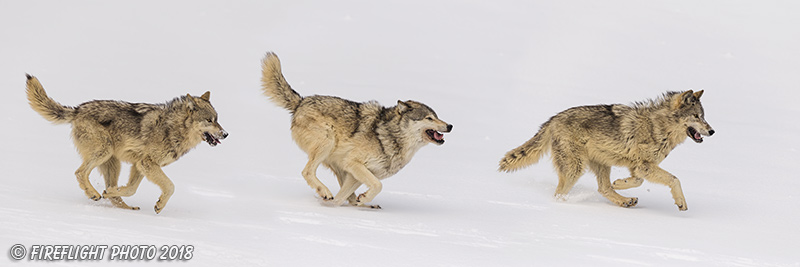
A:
{"x": 496, "y": 70}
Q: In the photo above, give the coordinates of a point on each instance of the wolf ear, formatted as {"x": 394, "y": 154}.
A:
{"x": 698, "y": 94}
{"x": 683, "y": 99}
{"x": 402, "y": 107}
{"x": 206, "y": 96}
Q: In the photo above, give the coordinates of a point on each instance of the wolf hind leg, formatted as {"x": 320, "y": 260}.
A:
{"x": 603, "y": 173}
{"x": 569, "y": 168}
{"x": 110, "y": 171}
{"x": 315, "y": 157}
{"x": 91, "y": 161}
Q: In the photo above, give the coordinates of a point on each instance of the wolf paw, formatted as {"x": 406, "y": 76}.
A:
{"x": 159, "y": 206}
{"x": 124, "y": 206}
{"x": 324, "y": 193}
{"x": 362, "y": 205}
{"x": 360, "y": 202}
{"x": 112, "y": 192}
{"x": 627, "y": 183}
{"x": 117, "y": 202}
{"x": 630, "y": 202}
{"x": 94, "y": 195}
{"x": 681, "y": 206}
{"x": 362, "y": 198}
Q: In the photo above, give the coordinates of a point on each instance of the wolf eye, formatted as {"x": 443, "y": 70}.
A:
{"x": 210, "y": 120}
{"x": 429, "y": 118}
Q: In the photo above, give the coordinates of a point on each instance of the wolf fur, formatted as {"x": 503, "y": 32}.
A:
{"x": 149, "y": 136}
{"x": 361, "y": 143}
{"x": 639, "y": 137}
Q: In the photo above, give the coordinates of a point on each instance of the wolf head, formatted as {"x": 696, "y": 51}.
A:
{"x": 422, "y": 120}
{"x": 203, "y": 118}
{"x": 689, "y": 111}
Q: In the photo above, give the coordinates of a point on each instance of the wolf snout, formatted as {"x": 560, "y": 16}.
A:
{"x": 710, "y": 132}
{"x": 449, "y": 128}
{"x": 223, "y": 134}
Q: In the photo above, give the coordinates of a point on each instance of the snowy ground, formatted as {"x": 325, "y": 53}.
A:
{"x": 494, "y": 69}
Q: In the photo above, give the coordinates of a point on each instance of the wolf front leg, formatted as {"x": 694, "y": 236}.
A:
{"x": 154, "y": 173}
{"x": 364, "y": 176}
{"x": 656, "y": 174}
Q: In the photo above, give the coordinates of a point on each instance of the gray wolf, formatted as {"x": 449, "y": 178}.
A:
{"x": 638, "y": 137}
{"x": 149, "y": 136}
{"x": 361, "y": 143}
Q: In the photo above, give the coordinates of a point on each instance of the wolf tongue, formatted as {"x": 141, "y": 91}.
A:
{"x": 438, "y": 135}
{"x": 697, "y": 136}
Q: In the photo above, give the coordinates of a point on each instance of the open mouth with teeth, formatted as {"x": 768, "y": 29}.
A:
{"x": 696, "y": 137}
{"x": 210, "y": 139}
{"x": 435, "y": 136}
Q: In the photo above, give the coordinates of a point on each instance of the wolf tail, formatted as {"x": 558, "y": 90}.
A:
{"x": 528, "y": 153}
{"x": 275, "y": 86}
{"x": 46, "y": 106}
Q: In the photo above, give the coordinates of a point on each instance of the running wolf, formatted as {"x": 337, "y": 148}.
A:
{"x": 638, "y": 137}
{"x": 149, "y": 136}
{"x": 361, "y": 143}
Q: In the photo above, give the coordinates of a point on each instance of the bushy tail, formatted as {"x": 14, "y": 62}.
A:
{"x": 46, "y": 106}
{"x": 275, "y": 86}
{"x": 528, "y": 153}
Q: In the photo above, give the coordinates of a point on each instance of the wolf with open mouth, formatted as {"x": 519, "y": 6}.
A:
{"x": 637, "y": 136}
{"x": 361, "y": 143}
{"x": 149, "y": 136}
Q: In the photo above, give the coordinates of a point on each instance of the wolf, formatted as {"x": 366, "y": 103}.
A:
{"x": 361, "y": 143}
{"x": 149, "y": 136}
{"x": 637, "y": 136}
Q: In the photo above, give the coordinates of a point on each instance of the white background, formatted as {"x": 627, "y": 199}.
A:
{"x": 496, "y": 70}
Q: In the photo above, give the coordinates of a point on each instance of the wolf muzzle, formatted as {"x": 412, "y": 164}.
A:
{"x": 213, "y": 139}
